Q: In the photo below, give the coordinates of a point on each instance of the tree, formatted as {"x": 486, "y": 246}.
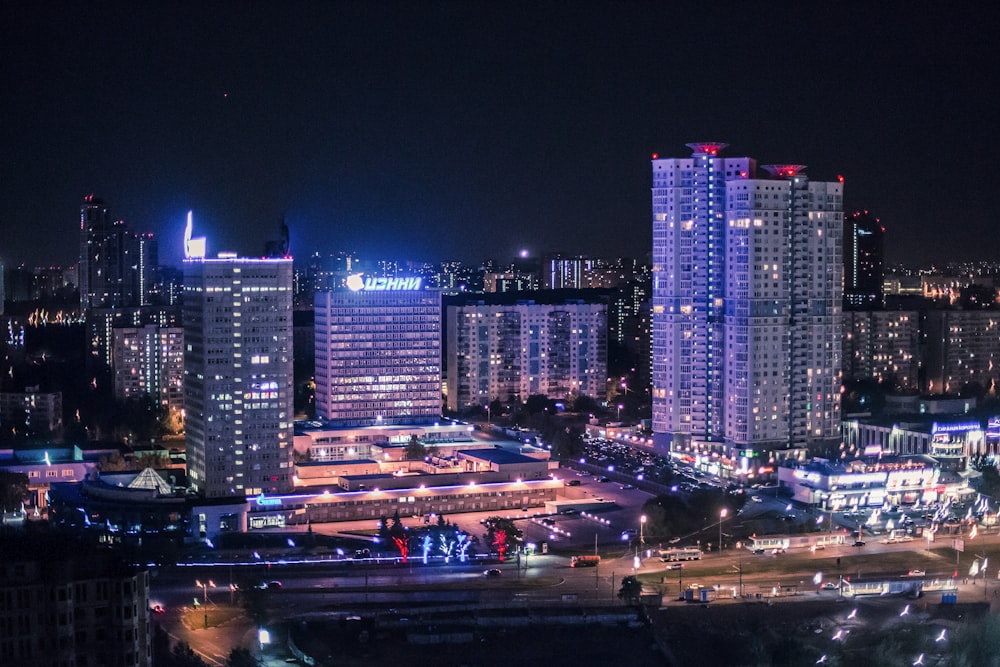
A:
{"x": 630, "y": 590}
{"x": 184, "y": 656}
{"x": 13, "y": 490}
{"x": 415, "y": 450}
{"x": 241, "y": 657}
{"x": 567, "y": 443}
{"x": 501, "y": 535}
{"x": 399, "y": 536}
{"x": 171, "y": 421}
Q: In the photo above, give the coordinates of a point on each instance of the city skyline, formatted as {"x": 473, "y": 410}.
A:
{"x": 445, "y": 131}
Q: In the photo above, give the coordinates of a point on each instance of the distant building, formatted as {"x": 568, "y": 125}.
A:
{"x": 509, "y": 281}
{"x": 149, "y": 361}
{"x": 871, "y": 482}
{"x": 882, "y": 345}
{"x": 510, "y": 348}
{"x": 69, "y": 604}
{"x": 962, "y": 348}
{"x": 101, "y": 324}
{"x": 747, "y": 295}
{"x": 102, "y": 254}
{"x": 117, "y": 267}
{"x": 238, "y": 375}
{"x": 38, "y": 412}
{"x": 864, "y": 258}
{"x": 50, "y": 464}
{"x": 378, "y": 352}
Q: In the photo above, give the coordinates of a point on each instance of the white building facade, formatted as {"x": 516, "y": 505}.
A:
{"x": 378, "y": 353}
{"x": 747, "y": 290}
{"x": 238, "y": 375}
{"x": 508, "y": 352}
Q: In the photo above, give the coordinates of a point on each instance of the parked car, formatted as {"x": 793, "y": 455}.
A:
{"x": 916, "y": 573}
{"x": 830, "y": 586}
{"x": 492, "y": 572}
{"x": 858, "y": 543}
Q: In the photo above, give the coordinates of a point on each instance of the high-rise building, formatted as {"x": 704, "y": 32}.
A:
{"x": 510, "y": 348}
{"x": 962, "y": 351}
{"x": 102, "y": 256}
{"x": 117, "y": 267}
{"x": 68, "y": 603}
{"x": 747, "y": 288}
{"x": 882, "y": 345}
{"x": 238, "y": 375}
{"x": 378, "y": 352}
{"x": 141, "y": 257}
{"x": 149, "y": 361}
{"x": 863, "y": 261}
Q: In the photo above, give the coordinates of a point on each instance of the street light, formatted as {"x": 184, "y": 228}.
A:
{"x": 204, "y": 588}
{"x": 722, "y": 515}
{"x": 642, "y": 538}
{"x": 620, "y": 406}
{"x": 489, "y": 417}
{"x": 739, "y": 552}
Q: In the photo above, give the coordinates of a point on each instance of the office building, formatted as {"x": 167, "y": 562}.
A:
{"x": 510, "y": 348}
{"x": 149, "y": 361}
{"x": 747, "y": 289}
{"x": 238, "y": 373}
{"x": 864, "y": 258}
{"x": 378, "y": 352}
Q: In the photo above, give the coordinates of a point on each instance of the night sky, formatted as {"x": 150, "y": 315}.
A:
{"x": 466, "y": 130}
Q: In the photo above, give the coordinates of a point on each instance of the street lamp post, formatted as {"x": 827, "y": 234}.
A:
{"x": 722, "y": 516}
{"x": 620, "y": 406}
{"x": 204, "y": 589}
{"x": 642, "y": 537}
{"x": 739, "y": 551}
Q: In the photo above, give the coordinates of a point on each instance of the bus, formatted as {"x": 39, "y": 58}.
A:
{"x": 673, "y": 555}
{"x": 584, "y": 561}
{"x": 804, "y": 540}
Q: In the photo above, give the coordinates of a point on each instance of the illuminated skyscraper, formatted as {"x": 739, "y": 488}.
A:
{"x": 863, "y": 261}
{"x": 102, "y": 256}
{"x": 747, "y": 284}
{"x": 378, "y": 352}
{"x": 238, "y": 375}
{"x": 117, "y": 267}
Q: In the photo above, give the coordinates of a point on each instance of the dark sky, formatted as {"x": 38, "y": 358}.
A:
{"x": 465, "y": 130}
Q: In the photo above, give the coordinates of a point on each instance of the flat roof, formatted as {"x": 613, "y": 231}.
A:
{"x": 499, "y": 456}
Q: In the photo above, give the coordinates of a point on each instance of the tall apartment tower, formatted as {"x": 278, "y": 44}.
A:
{"x": 102, "y": 256}
{"x": 238, "y": 375}
{"x": 864, "y": 259}
{"x": 378, "y": 352}
{"x": 508, "y": 349}
{"x": 747, "y": 288}
{"x": 149, "y": 361}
